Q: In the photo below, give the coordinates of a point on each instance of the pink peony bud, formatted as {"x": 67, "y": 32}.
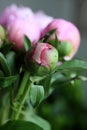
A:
{"x": 19, "y": 22}
{"x": 44, "y": 58}
{"x": 66, "y": 32}
{"x": 43, "y": 19}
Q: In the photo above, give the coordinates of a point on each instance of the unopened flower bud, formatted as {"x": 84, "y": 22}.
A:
{"x": 2, "y": 35}
{"x": 65, "y": 32}
{"x": 42, "y": 58}
{"x": 65, "y": 48}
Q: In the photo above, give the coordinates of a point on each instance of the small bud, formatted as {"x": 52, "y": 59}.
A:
{"x": 65, "y": 48}
{"x": 2, "y": 35}
{"x": 42, "y": 58}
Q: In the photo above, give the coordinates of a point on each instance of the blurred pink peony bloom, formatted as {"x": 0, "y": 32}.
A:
{"x": 8, "y": 13}
{"x": 43, "y": 55}
{"x": 66, "y": 32}
{"x": 43, "y": 19}
{"x": 20, "y": 22}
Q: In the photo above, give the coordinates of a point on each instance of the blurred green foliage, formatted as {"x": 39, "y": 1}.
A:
{"x": 66, "y": 108}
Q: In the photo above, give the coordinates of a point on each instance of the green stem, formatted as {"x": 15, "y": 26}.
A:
{"x": 5, "y": 114}
{"x": 22, "y": 95}
{"x": 23, "y": 84}
{"x": 23, "y": 99}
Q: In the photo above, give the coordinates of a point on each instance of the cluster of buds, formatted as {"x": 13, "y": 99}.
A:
{"x": 67, "y": 34}
{"x": 43, "y": 56}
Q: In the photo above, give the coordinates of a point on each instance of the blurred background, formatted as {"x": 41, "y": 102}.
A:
{"x": 66, "y": 108}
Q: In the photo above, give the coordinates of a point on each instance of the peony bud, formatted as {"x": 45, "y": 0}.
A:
{"x": 19, "y": 22}
{"x": 65, "y": 48}
{"x": 66, "y": 32}
{"x": 2, "y": 35}
{"x": 42, "y": 58}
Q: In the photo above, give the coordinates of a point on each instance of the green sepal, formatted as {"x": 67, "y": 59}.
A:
{"x": 27, "y": 43}
{"x": 4, "y": 65}
{"x": 48, "y": 35}
{"x": 36, "y": 94}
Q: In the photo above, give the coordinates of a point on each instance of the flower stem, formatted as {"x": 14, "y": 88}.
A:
{"x": 22, "y": 85}
{"x": 22, "y": 95}
{"x": 23, "y": 99}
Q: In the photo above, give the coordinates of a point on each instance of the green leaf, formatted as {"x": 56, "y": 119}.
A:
{"x": 27, "y": 43}
{"x": 72, "y": 65}
{"x": 36, "y": 94}
{"x": 54, "y": 42}
{"x": 62, "y": 80}
{"x": 4, "y": 65}
{"x": 46, "y": 82}
{"x": 7, "y": 81}
{"x": 31, "y": 117}
{"x": 48, "y": 34}
{"x": 11, "y": 56}
{"x": 20, "y": 125}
